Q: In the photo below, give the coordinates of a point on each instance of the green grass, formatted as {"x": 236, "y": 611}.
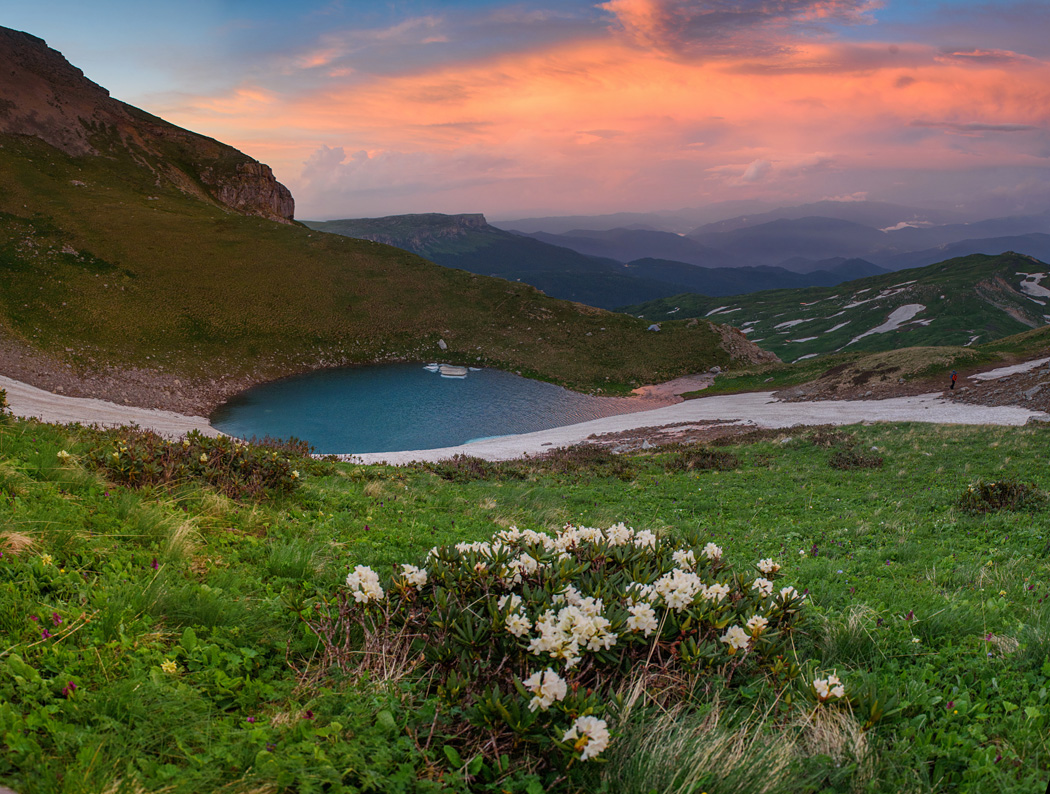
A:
{"x": 102, "y": 265}
{"x": 890, "y": 557}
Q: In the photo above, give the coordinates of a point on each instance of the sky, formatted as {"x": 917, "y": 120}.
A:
{"x": 568, "y": 107}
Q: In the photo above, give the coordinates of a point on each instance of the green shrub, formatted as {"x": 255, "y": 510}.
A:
{"x": 847, "y": 459}
{"x": 138, "y": 458}
{"x": 989, "y": 496}
{"x": 702, "y": 460}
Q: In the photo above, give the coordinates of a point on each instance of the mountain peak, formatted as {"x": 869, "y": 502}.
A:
{"x": 44, "y": 96}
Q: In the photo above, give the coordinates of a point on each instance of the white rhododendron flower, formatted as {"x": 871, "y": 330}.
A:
{"x": 712, "y": 552}
{"x": 416, "y": 577}
{"x": 562, "y": 635}
{"x": 589, "y": 734}
{"x": 643, "y": 618}
{"x": 756, "y": 624}
{"x": 619, "y": 535}
{"x": 837, "y": 688}
{"x": 735, "y": 637}
{"x": 830, "y": 687}
{"x": 645, "y": 539}
{"x": 715, "y": 592}
{"x": 678, "y": 588}
{"x": 639, "y": 592}
{"x": 685, "y": 559}
{"x": 511, "y": 598}
{"x": 764, "y": 586}
{"x": 364, "y": 584}
{"x": 788, "y": 592}
{"x": 546, "y": 687}
{"x": 517, "y": 624}
{"x": 523, "y": 565}
{"x": 768, "y": 566}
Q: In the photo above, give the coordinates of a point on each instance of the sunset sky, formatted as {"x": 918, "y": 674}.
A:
{"x": 574, "y": 107}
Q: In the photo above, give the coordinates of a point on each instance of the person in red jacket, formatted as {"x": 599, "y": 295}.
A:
{"x": 954, "y": 378}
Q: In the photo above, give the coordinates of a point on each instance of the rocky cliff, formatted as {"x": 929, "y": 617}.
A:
{"x": 44, "y": 96}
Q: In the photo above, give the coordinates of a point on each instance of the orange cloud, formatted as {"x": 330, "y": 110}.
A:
{"x": 603, "y": 123}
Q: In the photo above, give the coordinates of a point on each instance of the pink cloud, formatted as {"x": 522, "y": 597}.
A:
{"x": 604, "y": 124}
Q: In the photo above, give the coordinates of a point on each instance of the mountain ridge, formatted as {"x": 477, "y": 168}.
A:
{"x": 44, "y": 96}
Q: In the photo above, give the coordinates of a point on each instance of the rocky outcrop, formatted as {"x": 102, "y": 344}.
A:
{"x": 252, "y": 189}
{"x": 44, "y": 96}
{"x": 739, "y": 347}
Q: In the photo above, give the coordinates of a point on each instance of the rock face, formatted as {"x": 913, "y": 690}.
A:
{"x": 45, "y": 96}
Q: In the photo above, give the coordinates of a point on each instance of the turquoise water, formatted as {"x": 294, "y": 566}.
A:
{"x": 396, "y": 407}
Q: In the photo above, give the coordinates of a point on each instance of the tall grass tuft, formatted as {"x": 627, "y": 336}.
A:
{"x": 683, "y": 752}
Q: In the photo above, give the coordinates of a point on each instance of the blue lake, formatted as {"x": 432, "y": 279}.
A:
{"x": 394, "y": 407}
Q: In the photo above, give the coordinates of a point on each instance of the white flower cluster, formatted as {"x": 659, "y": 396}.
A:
{"x": 364, "y": 584}
{"x": 546, "y": 687}
{"x": 563, "y": 635}
{"x": 768, "y": 566}
{"x": 516, "y": 622}
{"x": 643, "y": 618}
{"x": 756, "y": 624}
{"x": 685, "y": 559}
{"x": 590, "y": 735}
{"x": 679, "y": 589}
{"x": 736, "y": 638}
{"x": 764, "y": 587}
{"x": 413, "y": 576}
{"x": 713, "y": 552}
{"x": 830, "y": 687}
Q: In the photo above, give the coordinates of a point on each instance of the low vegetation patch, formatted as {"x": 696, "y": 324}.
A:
{"x": 852, "y": 458}
{"x": 139, "y": 458}
{"x": 701, "y": 459}
{"x": 988, "y": 496}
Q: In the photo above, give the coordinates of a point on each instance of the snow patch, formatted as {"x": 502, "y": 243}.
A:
{"x": 837, "y": 327}
{"x": 716, "y": 311}
{"x": 1031, "y": 286}
{"x": 1002, "y": 372}
{"x": 808, "y": 355}
{"x": 897, "y": 318}
{"x": 804, "y": 339}
{"x": 791, "y": 323}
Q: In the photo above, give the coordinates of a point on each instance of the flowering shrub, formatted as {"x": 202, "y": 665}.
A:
{"x": 139, "y": 457}
{"x": 528, "y": 634}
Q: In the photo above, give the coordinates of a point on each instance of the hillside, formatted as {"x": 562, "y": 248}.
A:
{"x": 131, "y": 270}
{"x": 960, "y": 302}
{"x": 574, "y": 272}
{"x": 469, "y": 243}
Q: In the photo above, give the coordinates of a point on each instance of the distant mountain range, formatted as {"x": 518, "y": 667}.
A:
{"x": 963, "y": 301}
{"x": 469, "y": 243}
{"x": 799, "y": 238}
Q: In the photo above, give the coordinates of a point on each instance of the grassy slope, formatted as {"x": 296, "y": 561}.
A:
{"x": 909, "y": 364}
{"x": 159, "y": 279}
{"x": 977, "y": 292}
{"x": 890, "y": 558}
